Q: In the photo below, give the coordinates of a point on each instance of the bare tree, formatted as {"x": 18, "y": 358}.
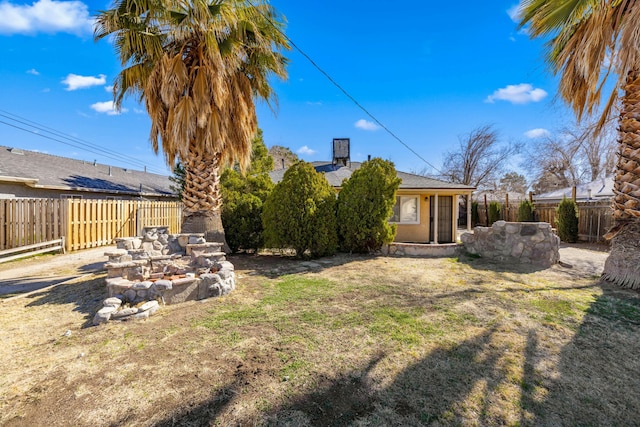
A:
{"x": 570, "y": 157}
{"x": 479, "y": 159}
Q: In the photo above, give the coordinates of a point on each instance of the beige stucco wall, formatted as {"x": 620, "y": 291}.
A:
{"x": 416, "y": 233}
{"x": 419, "y": 233}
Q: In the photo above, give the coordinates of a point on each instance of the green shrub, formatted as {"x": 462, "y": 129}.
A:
{"x": 494, "y": 212}
{"x": 475, "y": 214}
{"x": 525, "y": 211}
{"x": 300, "y": 213}
{"x": 243, "y": 199}
{"x": 567, "y": 221}
{"x": 365, "y": 205}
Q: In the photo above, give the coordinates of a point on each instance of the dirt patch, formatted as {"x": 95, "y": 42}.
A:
{"x": 345, "y": 340}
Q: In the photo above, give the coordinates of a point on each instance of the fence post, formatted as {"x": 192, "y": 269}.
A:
{"x": 506, "y": 210}
{"x": 486, "y": 210}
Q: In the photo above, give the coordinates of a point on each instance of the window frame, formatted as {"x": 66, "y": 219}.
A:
{"x": 399, "y": 204}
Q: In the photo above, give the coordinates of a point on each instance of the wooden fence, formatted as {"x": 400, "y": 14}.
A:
{"x": 84, "y": 223}
{"x": 594, "y": 218}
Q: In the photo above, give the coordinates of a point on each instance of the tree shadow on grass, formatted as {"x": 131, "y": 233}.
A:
{"x": 428, "y": 391}
{"x": 595, "y": 380}
{"x": 85, "y": 294}
{"x": 274, "y": 265}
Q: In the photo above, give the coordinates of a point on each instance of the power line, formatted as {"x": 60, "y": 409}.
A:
{"x": 344, "y": 91}
{"x": 77, "y": 142}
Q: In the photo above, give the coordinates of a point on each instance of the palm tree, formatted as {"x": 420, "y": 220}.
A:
{"x": 198, "y": 65}
{"x": 590, "y": 41}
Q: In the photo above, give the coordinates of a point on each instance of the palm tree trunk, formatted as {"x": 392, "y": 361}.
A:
{"x": 202, "y": 198}
{"x": 623, "y": 264}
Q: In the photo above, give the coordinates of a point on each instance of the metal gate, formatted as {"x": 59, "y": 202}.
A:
{"x": 445, "y": 218}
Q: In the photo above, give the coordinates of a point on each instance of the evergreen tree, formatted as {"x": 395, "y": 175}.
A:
{"x": 365, "y": 205}
{"x": 244, "y": 196}
{"x": 300, "y": 213}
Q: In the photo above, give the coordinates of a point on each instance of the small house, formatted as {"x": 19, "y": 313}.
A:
{"x": 29, "y": 174}
{"x": 426, "y": 209}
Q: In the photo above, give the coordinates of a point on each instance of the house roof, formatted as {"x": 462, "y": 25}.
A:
{"x": 45, "y": 171}
{"x": 600, "y": 189}
{"x": 336, "y": 174}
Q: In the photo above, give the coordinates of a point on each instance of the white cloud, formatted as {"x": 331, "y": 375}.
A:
{"x": 107, "y": 107}
{"x": 306, "y": 150}
{"x": 74, "y": 81}
{"x": 45, "y": 16}
{"x": 537, "y": 133}
{"x": 518, "y": 94}
{"x": 514, "y": 13}
{"x": 139, "y": 111}
{"x": 109, "y": 88}
{"x": 33, "y": 71}
{"x": 366, "y": 125}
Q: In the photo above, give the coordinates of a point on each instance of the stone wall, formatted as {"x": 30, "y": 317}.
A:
{"x": 522, "y": 242}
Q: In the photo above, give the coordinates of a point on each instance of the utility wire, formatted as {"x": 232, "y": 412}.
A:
{"x": 84, "y": 145}
{"x": 344, "y": 91}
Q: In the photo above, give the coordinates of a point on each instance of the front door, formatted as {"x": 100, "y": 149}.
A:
{"x": 445, "y": 218}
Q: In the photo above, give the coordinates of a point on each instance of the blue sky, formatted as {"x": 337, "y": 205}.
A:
{"x": 429, "y": 71}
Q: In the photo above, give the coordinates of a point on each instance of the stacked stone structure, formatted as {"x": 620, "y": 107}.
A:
{"x": 162, "y": 268}
{"x": 520, "y": 242}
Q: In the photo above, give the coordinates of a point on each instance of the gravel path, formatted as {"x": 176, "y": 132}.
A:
{"x": 39, "y": 272}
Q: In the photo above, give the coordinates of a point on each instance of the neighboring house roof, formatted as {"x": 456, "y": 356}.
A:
{"x": 499, "y": 196}
{"x": 336, "y": 174}
{"x": 45, "y": 171}
{"x": 600, "y": 189}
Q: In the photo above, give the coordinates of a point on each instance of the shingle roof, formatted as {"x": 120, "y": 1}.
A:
{"x": 47, "y": 171}
{"x": 335, "y": 174}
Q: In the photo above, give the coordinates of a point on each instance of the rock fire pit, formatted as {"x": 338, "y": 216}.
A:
{"x": 162, "y": 268}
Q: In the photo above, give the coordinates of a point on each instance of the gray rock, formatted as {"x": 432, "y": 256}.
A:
{"x": 129, "y": 311}
{"x": 103, "y": 315}
{"x": 149, "y": 306}
{"x": 130, "y": 295}
{"x": 142, "y": 285}
{"x": 141, "y": 316}
{"x": 112, "y": 302}
{"x": 162, "y": 285}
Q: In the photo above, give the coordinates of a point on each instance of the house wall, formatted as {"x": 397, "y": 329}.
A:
{"x": 415, "y": 233}
{"x": 420, "y": 233}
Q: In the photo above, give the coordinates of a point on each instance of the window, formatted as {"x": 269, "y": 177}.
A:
{"x": 406, "y": 210}
{"x": 70, "y": 196}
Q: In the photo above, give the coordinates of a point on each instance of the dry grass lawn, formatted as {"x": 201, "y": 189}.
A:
{"x": 347, "y": 340}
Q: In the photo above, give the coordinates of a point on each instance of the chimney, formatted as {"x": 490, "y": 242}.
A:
{"x": 369, "y": 157}
{"x": 109, "y": 170}
{"x": 145, "y": 168}
{"x": 341, "y": 151}
{"x": 282, "y": 163}
{"x": 95, "y": 162}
